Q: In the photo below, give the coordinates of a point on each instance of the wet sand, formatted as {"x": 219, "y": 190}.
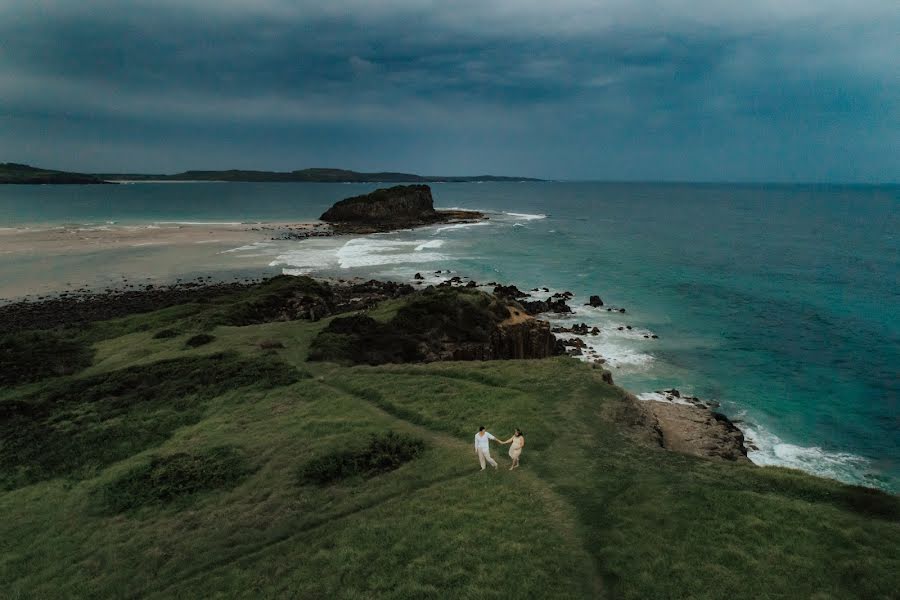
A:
{"x": 46, "y": 260}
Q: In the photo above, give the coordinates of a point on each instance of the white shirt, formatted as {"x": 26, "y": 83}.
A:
{"x": 482, "y": 442}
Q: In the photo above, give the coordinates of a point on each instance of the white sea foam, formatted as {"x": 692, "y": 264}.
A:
{"x": 772, "y": 450}
{"x": 369, "y": 252}
{"x": 431, "y": 244}
{"x": 659, "y": 397}
{"x": 196, "y": 223}
{"x": 526, "y": 216}
{"x": 255, "y": 246}
{"x": 459, "y": 226}
{"x": 366, "y": 252}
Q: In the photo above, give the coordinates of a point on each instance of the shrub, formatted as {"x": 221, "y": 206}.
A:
{"x": 72, "y": 427}
{"x": 165, "y": 334}
{"x": 270, "y": 345}
{"x": 200, "y": 339}
{"x": 34, "y": 355}
{"x": 166, "y": 479}
{"x": 384, "y": 452}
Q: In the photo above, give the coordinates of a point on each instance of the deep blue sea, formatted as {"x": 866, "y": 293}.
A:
{"x": 779, "y": 302}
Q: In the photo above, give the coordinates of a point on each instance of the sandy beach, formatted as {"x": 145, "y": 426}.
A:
{"x": 37, "y": 260}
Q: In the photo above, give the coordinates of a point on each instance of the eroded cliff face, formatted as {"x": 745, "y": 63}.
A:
{"x": 525, "y": 339}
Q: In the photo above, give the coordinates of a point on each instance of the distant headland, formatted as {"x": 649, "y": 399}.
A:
{"x": 25, "y": 174}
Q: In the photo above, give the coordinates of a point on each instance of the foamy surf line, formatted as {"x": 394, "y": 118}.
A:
{"x": 360, "y": 253}
{"x": 526, "y": 216}
{"x": 229, "y": 223}
{"x": 843, "y": 466}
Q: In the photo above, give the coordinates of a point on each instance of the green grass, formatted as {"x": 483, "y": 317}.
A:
{"x": 165, "y": 471}
{"x": 174, "y": 477}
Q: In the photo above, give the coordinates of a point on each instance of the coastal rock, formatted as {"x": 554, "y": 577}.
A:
{"x": 418, "y": 277}
{"x": 388, "y": 209}
{"x": 696, "y": 431}
{"x": 437, "y": 324}
{"x": 509, "y": 291}
{"x": 594, "y": 301}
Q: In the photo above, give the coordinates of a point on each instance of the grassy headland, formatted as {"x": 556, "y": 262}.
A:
{"x": 145, "y": 466}
{"x": 25, "y": 174}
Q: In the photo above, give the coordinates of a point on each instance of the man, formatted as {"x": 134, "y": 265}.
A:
{"x": 483, "y": 448}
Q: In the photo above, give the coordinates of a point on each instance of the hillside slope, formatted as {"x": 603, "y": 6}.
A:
{"x": 195, "y": 452}
{"x": 16, "y": 173}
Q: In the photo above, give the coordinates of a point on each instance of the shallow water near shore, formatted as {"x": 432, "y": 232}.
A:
{"x": 779, "y": 302}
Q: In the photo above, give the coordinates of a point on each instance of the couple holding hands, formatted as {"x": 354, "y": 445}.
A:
{"x": 483, "y": 450}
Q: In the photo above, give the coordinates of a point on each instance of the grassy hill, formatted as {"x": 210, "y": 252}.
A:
{"x": 25, "y": 174}
{"x": 169, "y": 454}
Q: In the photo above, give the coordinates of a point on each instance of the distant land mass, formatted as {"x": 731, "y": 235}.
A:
{"x": 306, "y": 175}
{"x": 24, "y": 174}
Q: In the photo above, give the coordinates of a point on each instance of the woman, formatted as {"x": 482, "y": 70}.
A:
{"x": 517, "y": 442}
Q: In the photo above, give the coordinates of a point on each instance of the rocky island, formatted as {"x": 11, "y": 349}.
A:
{"x": 389, "y": 209}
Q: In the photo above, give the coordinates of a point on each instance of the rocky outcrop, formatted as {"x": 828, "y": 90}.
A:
{"x": 437, "y": 324}
{"x": 693, "y": 430}
{"x": 387, "y": 209}
{"x": 594, "y": 301}
{"x": 526, "y": 339}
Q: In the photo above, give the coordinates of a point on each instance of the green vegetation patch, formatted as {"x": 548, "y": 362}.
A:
{"x": 201, "y": 339}
{"x": 73, "y": 427}
{"x": 280, "y": 298}
{"x": 176, "y": 477}
{"x": 34, "y": 355}
{"x": 430, "y": 319}
{"x": 384, "y": 452}
{"x": 164, "y": 334}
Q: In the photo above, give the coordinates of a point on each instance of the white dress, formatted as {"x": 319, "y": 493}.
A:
{"x": 515, "y": 447}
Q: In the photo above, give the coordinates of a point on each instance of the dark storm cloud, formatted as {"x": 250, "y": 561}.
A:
{"x": 687, "y": 90}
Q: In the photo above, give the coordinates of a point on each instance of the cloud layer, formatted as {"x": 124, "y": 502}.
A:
{"x": 691, "y": 90}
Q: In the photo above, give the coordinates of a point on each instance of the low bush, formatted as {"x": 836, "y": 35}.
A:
{"x": 201, "y": 339}
{"x": 270, "y": 345}
{"x": 176, "y": 477}
{"x": 73, "y": 427}
{"x": 165, "y": 334}
{"x": 34, "y": 355}
{"x": 384, "y": 452}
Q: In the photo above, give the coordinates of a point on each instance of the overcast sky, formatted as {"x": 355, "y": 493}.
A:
{"x": 769, "y": 90}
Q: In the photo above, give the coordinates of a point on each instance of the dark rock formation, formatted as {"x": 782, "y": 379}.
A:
{"x": 440, "y": 323}
{"x": 282, "y": 298}
{"x": 510, "y": 291}
{"x": 393, "y": 208}
{"x": 594, "y": 301}
{"x": 536, "y": 307}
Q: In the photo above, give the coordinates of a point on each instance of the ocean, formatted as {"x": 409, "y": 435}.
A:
{"x": 778, "y": 302}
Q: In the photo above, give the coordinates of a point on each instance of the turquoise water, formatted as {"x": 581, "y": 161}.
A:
{"x": 780, "y": 302}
